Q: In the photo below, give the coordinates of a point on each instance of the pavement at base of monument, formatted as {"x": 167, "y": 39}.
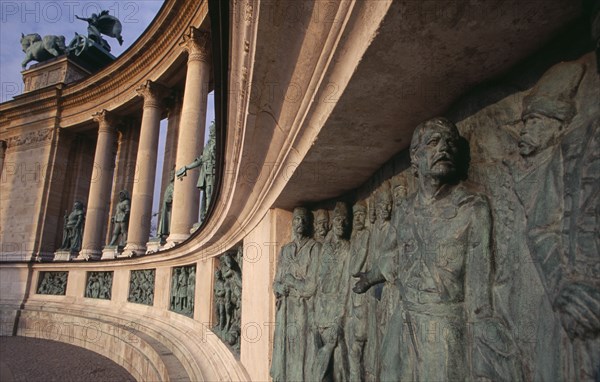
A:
{"x": 32, "y": 359}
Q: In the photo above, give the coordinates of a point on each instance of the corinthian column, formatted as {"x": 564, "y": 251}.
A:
{"x": 143, "y": 187}
{"x": 186, "y": 196}
{"x": 99, "y": 196}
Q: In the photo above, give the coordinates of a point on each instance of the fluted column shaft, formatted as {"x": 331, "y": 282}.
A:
{"x": 186, "y": 197}
{"x": 2, "y": 155}
{"x": 143, "y": 186}
{"x": 99, "y": 195}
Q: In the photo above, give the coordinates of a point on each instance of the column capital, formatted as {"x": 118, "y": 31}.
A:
{"x": 107, "y": 121}
{"x": 153, "y": 93}
{"x": 198, "y": 45}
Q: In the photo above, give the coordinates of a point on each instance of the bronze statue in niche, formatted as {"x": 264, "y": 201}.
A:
{"x": 164, "y": 222}
{"x": 121, "y": 220}
{"x": 207, "y": 163}
{"x": 73, "y": 228}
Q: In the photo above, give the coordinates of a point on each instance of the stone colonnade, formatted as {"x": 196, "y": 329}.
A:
{"x": 191, "y": 133}
{"x": 187, "y": 120}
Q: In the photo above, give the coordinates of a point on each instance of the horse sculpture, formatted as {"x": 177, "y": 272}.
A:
{"x": 41, "y": 49}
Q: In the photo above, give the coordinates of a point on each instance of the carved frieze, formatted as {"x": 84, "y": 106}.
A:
{"x": 183, "y": 286}
{"x": 54, "y": 283}
{"x": 99, "y": 285}
{"x": 42, "y": 135}
{"x": 228, "y": 298}
{"x": 141, "y": 286}
{"x": 478, "y": 261}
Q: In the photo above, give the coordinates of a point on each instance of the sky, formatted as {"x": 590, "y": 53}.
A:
{"x": 47, "y": 17}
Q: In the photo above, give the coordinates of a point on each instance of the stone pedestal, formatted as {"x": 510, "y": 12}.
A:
{"x": 111, "y": 252}
{"x": 62, "y": 255}
{"x": 154, "y": 245}
{"x": 195, "y": 227}
{"x": 58, "y": 70}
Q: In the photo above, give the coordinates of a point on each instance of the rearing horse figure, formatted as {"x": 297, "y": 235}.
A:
{"x": 39, "y": 49}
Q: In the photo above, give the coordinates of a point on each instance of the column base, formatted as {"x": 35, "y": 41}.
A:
{"x": 89, "y": 254}
{"x": 132, "y": 250}
{"x": 111, "y": 252}
{"x": 42, "y": 257}
{"x": 195, "y": 227}
{"x": 64, "y": 255}
{"x": 154, "y": 245}
{"x": 175, "y": 238}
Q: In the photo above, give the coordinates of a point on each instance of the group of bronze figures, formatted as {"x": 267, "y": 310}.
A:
{"x": 74, "y": 223}
{"x": 228, "y": 298}
{"x": 183, "y": 286}
{"x": 54, "y": 283}
{"x": 99, "y": 285}
{"x": 141, "y": 286}
{"x": 415, "y": 286}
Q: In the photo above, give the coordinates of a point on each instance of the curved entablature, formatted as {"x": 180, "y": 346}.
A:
{"x": 156, "y": 55}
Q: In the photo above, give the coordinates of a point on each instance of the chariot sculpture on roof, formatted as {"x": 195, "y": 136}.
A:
{"x": 41, "y": 49}
{"x": 97, "y": 26}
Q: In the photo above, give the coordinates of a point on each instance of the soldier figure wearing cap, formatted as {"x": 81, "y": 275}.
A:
{"x": 331, "y": 301}
{"x": 295, "y": 285}
{"x": 355, "y": 330}
{"x": 321, "y": 226}
{"x": 557, "y": 184}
